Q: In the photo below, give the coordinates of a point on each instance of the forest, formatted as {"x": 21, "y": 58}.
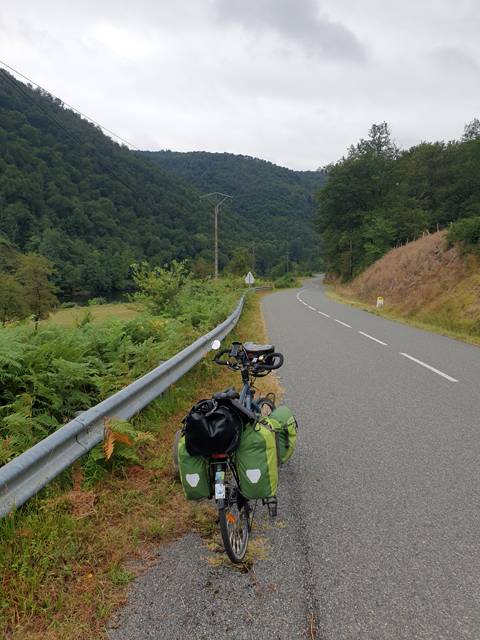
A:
{"x": 93, "y": 207}
{"x": 379, "y": 196}
{"x": 90, "y": 206}
{"x": 278, "y": 202}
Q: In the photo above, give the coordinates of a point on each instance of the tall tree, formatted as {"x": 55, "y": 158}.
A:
{"x": 12, "y": 299}
{"x": 379, "y": 142}
{"x": 471, "y": 130}
{"x": 34, "y": 274}
{"x": 378, "y": 197}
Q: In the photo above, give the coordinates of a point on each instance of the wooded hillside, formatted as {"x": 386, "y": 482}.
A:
{"x": 379, "y": 197}
{"x": 280, "y": 202}
{"x": 91, "y": 206}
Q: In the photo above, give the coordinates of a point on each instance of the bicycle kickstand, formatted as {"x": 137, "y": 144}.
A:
{"x": 272, "y": 504}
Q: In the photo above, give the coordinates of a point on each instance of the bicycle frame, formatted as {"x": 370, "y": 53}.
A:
{"x": 247, "y": 394}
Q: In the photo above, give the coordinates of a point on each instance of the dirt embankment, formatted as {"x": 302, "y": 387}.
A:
{"x": 427, "y": 282}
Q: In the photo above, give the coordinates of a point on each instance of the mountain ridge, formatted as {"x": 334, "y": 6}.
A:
{"x": 90, "y": 205}
{"x": 93, "y": 207}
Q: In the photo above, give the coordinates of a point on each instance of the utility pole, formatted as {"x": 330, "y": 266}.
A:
{"x": 218, "y": 199}
{"x": 253, "y": 257}
{"x": 288, "y": 258}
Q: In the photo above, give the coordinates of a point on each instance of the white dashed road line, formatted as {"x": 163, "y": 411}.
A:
{"x": 372, "y": 338}
{"x": 427, "y": 366}
{"x": 385, "y": 344}
{"x": 344, "y": 323}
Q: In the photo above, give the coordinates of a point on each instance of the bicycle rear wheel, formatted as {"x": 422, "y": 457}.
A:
{"x": 235, "y": 527}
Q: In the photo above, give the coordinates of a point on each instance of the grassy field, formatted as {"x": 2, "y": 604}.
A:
{"x": 71, "y": 317}
{"x": 67, "y": 556}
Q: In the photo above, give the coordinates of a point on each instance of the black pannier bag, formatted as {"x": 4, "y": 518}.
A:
{"x": 212, "y": 427}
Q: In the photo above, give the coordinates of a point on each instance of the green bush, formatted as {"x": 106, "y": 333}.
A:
{"x": 467, "y": 232}
{"x": 287, "y": 281}
{"x": 67, "y": 305}
{"x": 48, "y": 375}
{"x": 97, "y": 301}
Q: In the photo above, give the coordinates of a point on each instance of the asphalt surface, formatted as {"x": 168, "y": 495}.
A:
{"x": 379, "y": 526}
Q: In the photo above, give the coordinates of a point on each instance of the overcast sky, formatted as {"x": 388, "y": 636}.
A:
{"x": 291, "y": 81}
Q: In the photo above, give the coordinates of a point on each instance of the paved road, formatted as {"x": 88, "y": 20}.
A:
{"x": 380, "y": 509}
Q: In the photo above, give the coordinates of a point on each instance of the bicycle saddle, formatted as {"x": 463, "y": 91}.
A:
{"x": 228, "y": 394}
{"x": 258, "y": 349}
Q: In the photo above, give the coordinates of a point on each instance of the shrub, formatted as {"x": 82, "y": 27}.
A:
{"x": 67, "y": 305}
{"x": 467, "y": 232}
{"x": 97, "y": 301}
{"x": 158, "y": 288}
{"x": 48, "y": 375}
{"x": 287, "y": 281}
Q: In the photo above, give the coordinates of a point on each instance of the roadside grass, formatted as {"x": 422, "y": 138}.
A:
{"x": 97, "y": 313}
{"x": 425, "y": 283}
{"x": 67, "y": 556}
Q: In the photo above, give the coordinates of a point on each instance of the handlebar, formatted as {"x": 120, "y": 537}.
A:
{"x": 239, "y": 360}
{"x": 219, "y": 355}
{"x": 276, "y": 362}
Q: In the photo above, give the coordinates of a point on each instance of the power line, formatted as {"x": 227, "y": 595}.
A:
{"x": 69, "y": 106}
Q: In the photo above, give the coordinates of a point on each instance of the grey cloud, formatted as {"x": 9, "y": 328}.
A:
{"x": 226, "y": 74}
{"x": 298, "y": 22}
{"x": 455, "y": 60}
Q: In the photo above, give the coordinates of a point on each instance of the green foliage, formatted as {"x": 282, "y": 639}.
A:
{"x": 472, "y": 130}
{"x": 159, "y": 286}
{"x": 272, "y": 205}
{"x": 12, "y": 299}
{"x": 378, "y": 197}
{"x": 25, "y": 286}
{"x": 48, "y": 375}
{"x": 240, "y": 263}
{"x": 92, "y": 207}
{"x": 467, "y": 232}
{"x": 34, "y": 274}
{"x": 121, "y": 445}
{"x": 286, "y": 281}
{"x": 96, "y": 301}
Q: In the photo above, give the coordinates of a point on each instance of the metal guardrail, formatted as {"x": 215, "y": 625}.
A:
{"x": 25, "y": 475}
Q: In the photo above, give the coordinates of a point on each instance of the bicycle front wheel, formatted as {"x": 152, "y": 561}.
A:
{"x": 235, "y": 529}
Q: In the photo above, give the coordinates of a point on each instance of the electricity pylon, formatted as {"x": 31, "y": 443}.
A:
{"x": 218, "y": 199}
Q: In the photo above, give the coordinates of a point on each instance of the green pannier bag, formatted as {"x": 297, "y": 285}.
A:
{"x": 283, "y": 423}
{"x": 256, "y": 462}
{"x": 194, "y": 473}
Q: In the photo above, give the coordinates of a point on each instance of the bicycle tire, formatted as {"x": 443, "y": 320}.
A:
{"x": 235, "y": 545}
